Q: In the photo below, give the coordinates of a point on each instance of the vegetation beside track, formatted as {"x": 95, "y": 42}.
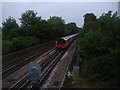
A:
{"x": 99, "y": 49}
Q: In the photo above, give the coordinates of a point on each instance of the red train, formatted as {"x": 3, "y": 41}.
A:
{"x": 64, "y": 42}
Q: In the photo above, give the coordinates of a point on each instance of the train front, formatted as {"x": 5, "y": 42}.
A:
{"x": 60, "y": 43}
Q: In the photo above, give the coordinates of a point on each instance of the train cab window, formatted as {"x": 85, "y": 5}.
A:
{"x": 60, "y": 41}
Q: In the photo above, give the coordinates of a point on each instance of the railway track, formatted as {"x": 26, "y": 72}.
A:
{"x": 21, "y": 61}
{"x": 10, "y": 58}
{"x": 46, "y": 68}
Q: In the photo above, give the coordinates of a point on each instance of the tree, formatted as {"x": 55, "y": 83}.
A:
{"x": 20, "y": 31}
{"x": 100, "y": 49}
{"x": 40, "y": 31}
{"x": 57, "y": 26}
{"x": 90, "y": 23}
{"x": 72, "y": 28}
{"x": 89, "y": 17}
{"x": 9, "y": 24}
{"x": 29, "y": 18}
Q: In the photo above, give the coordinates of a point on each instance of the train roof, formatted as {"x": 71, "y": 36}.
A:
{"x": 69, "y": 36}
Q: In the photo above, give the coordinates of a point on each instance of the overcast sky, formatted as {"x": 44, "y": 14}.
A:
{"x": 69, "y": 11}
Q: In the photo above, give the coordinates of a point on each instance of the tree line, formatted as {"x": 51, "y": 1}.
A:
{"x": 33, "y": 30}
{"x": 99, "y": 48}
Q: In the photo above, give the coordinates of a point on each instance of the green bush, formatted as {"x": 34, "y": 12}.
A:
{"x": 6, "y": 46}
{"x": 20, "y": 42}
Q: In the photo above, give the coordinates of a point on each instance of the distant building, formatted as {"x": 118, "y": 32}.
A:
{"x": 119, "y": 8}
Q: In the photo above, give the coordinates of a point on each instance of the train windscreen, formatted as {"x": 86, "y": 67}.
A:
{"x": 60, "y": 41}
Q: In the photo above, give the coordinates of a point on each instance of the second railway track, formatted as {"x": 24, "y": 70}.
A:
{"x": 8, "y": 69}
